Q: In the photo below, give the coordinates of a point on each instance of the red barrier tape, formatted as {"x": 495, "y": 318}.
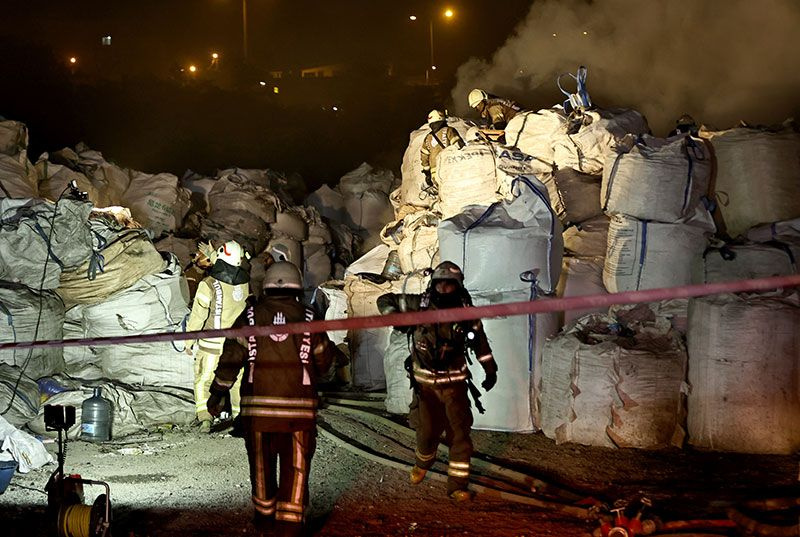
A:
{"x": 541, "y": 305}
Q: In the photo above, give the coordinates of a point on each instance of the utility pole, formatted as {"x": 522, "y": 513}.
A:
{"x": 244, "y": 29}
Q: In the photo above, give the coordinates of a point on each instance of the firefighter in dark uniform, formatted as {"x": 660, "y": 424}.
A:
{"x": 439, "y": 374}
{"x": 440, "y": 136}
{"x": 278, "y": 398}
{"x": 497, "y": 111}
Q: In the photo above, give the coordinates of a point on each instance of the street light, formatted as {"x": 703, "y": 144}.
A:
{"x": 447, "y": 14}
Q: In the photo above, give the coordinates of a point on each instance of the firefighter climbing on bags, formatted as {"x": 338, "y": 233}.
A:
{"x": 440, "y": 136}
{"x": 279, "y": 398}
{"x": 220, "y": 298}
{"x": 440, "y": 376}
{"x": 495, "y": 110}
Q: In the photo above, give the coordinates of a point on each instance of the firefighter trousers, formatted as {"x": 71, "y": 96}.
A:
{"x": 280, "y": 491}
{"x": 205, "y": 363}
{"x": 445, "y": 409}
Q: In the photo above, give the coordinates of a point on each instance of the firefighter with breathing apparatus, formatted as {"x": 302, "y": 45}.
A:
{"x": 440, "y": 136}
{"x": 440, "y": 376}
{"x": 495, "y": 110}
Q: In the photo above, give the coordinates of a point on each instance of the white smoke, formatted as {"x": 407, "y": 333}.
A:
{"x": 721, "y": 61}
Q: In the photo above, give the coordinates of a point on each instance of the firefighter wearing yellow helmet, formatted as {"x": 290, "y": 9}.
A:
{"x": 440, "y": 136}
{"x": 493, "y": 109}
{"x": 440, "y": 376}
{"x": 221, "y": 297}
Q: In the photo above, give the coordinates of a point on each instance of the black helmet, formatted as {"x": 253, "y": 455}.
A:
{"x": 447, "y": 270}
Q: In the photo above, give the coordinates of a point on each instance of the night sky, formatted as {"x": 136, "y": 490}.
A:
{"x": 150, "y": 35}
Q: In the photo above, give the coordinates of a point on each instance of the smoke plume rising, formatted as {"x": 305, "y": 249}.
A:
{"x": 721, "y": 61}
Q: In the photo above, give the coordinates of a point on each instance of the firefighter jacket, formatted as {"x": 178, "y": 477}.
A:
{"x": 220, "y": 298}
{"x": 435, "y": 142}
{"x": 498, "y": 111}
{"x": 439, "y": 351}
{"x": 279, "y": 392}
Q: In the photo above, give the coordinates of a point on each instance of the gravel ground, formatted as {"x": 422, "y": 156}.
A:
{"x": 179, "y": 482}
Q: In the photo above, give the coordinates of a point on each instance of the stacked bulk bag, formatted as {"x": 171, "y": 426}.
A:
{"x": 580, "y": 276}
{"x": 329, "y": 203}
{"x": 241, "y": 210}
{"x": 648, "y": 255}
{"x": 366, "y": 214}
{"x": 575, "y": 196}
{"x": 183, "y": 249}
{"x": 585, "y": 142}
{"x": 657, "y": 179}
{"x": 16, "y": 385}
{"x": 157, "y": 201}
{"x": 757, "y": 179}
{"x": 416, "y": 240}
{"x": 410, "y": 192}
{"x": 363, "y": 178}
{"x": 38, "y": 240}
{"x": 602, "y": 387}
{"x": 112, "y": 181}
{"x": 13, "y": 138}
{"x": 199, "y": 188}
{"x": 155, "y": 303}
{"x": 54, "y": 180}
{"x": 745, "y": 358}
{"x": 17, "y": 179}
{"x": 778, "y": 231}
{"x": 398, "y": 385}
{"x": 494, "y": 246}
{"x": 588, "y": 238}
{"x": 746, "y": 261}
{"x": 533, "y": 132}
{"x": 28, "y": 315}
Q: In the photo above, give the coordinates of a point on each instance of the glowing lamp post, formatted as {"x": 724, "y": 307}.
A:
{"x": 447, "y": 14}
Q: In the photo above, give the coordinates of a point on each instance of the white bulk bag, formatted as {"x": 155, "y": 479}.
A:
{"x": 23, "y": 313}
{"x": 467, "y": 176}
{"x": 649, "y": 255}
{"x": 199, "y": 187}
{"x": 533, "y": 132}
{"x": 317, "y": 265}
{"x": 367, "y": 213}
{"x": 156, "y": 201}
{"x": 55, "y": 178}
{"x": 398, "y": 386}
{"x": 788, "y": 230}
{"x": 580, "y": 276}
{"x": 757, "y": 179}
{"x": 416, "y": 240}
{"x": 13, "y": 138}
{"x": 19, "y": 395}
{"x": 575, "y": 196}
{"x": 744, "y": 373}
{"x": 597, "y": 392}
{"x": 494, "y": 246}
{"x": 17, "y": 180}
{"x": 657, "y": 179}
{"x": 286, "y": 249}
{"x": 364, "y": 178}
{"x": 747, "y": 261}
{"x": 328, "y": 202}
{"x": 599, "y": 131}
{"x": 337, "y": 307}
{"x": 372, "y": 261}
{"x": 290, "y": 224}
{"x": 411, "y": 169}
{"x": 588, "y": 238}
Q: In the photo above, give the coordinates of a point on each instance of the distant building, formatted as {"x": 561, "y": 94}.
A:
{"x": 322, "y": 71}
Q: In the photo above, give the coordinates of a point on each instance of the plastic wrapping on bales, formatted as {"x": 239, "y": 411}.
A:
{"x": 757, "y": 178}
{"x": 657, "y": 179}
{"x": 744, "y": 370}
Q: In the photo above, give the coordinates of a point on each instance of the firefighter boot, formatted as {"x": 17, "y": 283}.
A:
{"x": 461, "y": 495}
{"x": 416, "y": 475}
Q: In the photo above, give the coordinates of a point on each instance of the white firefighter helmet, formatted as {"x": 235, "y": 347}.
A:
{"x": 435, "y": 115}
{"x": 283, "y": 275}
{"x": 476, "y": 96}
{"x": 232, "y": 253}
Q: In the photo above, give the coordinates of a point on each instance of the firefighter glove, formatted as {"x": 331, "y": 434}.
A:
{"x": 489, "y": 382}
{"x": 215, "y": 404}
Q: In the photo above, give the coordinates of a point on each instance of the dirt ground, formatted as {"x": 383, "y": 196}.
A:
{"x": 180, "y": 482}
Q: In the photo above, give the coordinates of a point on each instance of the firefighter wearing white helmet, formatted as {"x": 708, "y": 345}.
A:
{"x": 220, "y": 298}
{"x": 440, "y": 136}
{"x": 440, "y": 376}
{"x": 493, "y": 109}
{"x": 279, "y": 398}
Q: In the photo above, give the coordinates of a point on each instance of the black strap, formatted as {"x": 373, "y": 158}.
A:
{"x": 476, "y": 395}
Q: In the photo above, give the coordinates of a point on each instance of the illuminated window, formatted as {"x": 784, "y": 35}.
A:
{"x": 105, "y": 40}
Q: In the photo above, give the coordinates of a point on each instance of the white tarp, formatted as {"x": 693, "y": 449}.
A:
{"x": 657, "y": 179}
{"x": 599, "y": 131}
{"x": 494, "y": 246}
{"x": 606, "y": 390}
{"x": 745, "y": 373}
{"x": 23, "y": 312}
{"x": 757, "y": 179}
{"x": 29, "y": 452}
{"x": 649, "y": 255}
